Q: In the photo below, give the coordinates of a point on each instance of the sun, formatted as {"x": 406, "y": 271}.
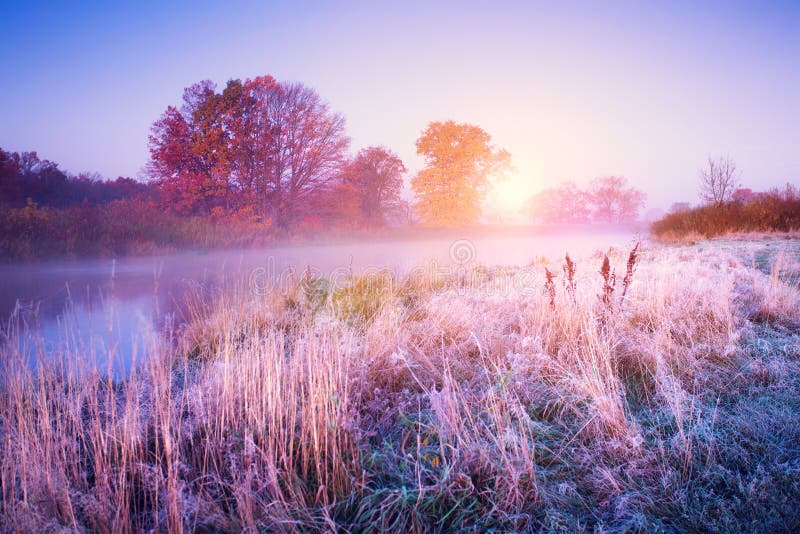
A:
{"x": 508, "y": 196}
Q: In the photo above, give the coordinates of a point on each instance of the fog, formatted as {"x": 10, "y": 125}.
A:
{"x": 112, "y": 304}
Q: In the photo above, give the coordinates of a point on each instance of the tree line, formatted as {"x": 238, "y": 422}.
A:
{"x": 728, "y": 207}
{"x": 608, "y": 199}
{"x": 25, "y": 177}
{"x": 266, "y": 158}
{"x": 275, "y": 151}
{"x": 46, "y": 212}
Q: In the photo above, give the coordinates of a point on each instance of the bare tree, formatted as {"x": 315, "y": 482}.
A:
{"x": 718, "y": 181}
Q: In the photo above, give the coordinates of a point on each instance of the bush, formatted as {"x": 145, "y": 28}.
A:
{"x": 776, "y": 210}
{"x": 118, "y": 228}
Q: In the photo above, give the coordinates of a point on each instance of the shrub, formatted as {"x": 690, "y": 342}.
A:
{"x": 117, "y": 228}
{"x": 776, "y": 210}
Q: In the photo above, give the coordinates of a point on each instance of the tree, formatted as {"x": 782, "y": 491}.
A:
{"x": 566, "y": 203}
{"x": 376, "y": 178}
{"x": 189, "y": 156}
{"x": 254, "y": 118}
{"x": 25, "y": 179}
{"x": 257, "y": 144}
{"x": 308, "y": 148}
{"x": 609, "y": 199}
{"x": 718, "y": 181}
{"x": 614, "y": 201}
{"x": 336, "y": 203}
{"x": 10, "y": 186}
{"x": 459, "y": 160}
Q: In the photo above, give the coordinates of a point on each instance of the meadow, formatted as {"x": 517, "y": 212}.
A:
{"x": 657, "y": 390}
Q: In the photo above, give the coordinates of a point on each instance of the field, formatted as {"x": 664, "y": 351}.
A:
{"x": 662, "y": 396}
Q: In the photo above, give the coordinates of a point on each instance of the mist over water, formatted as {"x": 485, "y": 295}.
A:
{"x": 112, "y": 305}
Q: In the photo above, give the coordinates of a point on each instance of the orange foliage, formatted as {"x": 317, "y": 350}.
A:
{"x": 459, "y": 160}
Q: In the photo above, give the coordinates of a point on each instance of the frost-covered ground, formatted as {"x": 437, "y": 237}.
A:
{"x": 483, "y": 398}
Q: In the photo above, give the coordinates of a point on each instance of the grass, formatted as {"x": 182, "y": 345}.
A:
{"x": 490, "y": 398}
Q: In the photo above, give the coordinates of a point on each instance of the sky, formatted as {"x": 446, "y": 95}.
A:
{"x": 574, "y": 90}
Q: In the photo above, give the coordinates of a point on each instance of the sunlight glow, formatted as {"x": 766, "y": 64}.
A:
{"x": 507, "y": 197}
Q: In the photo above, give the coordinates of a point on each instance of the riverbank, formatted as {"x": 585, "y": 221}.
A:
{"x": 482, "y": 397}
{"x": 128, "y": 228}
{"x": 116, "y": 229}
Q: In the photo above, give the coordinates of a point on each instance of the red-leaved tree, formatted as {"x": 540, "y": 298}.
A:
{"x": 257, "y": 145}
{"x": 376, "y": 178}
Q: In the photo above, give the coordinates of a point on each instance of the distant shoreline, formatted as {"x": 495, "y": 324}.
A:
{"x": 339, "y": 237}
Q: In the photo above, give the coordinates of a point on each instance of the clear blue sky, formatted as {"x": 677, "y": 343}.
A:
{"x": 574, "y": 91}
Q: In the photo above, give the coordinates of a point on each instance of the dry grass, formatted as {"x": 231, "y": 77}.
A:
{"x": 493, "y": 398}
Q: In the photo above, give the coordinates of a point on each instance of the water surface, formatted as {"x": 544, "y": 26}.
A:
{"x": 109, "y": 305}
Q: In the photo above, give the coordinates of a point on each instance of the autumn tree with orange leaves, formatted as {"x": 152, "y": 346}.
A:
{"x": 459, "y": 162}
{"x": 189, "y": 169}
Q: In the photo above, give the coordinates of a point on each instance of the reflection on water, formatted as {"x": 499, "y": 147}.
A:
{"x": 103, "y": 307}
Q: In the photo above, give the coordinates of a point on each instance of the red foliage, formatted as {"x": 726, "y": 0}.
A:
{"x": 375, "y": 179}
{"x": 258, "y": 144}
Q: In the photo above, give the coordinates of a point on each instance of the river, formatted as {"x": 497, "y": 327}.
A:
{"x": 109, "y": 305}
